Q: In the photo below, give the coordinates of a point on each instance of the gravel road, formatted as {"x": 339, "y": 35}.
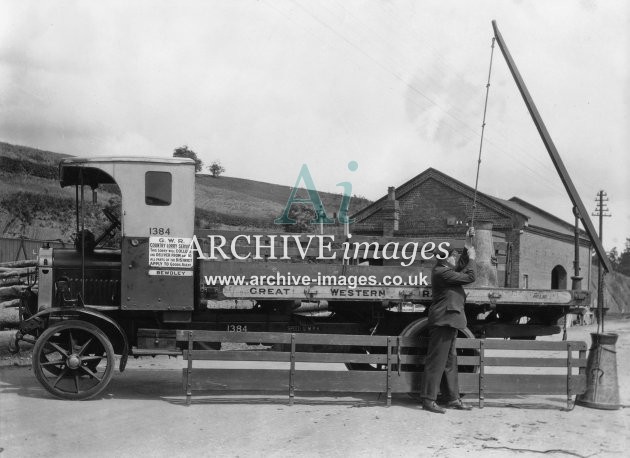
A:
{"x": 142, "y": 413}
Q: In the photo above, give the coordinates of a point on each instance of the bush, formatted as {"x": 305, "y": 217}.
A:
{"x": 19, "y": 166}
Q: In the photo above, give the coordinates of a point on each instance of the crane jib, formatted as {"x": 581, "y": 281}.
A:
{"x": 552, "y": 150}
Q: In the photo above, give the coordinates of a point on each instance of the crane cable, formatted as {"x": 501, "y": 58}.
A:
{"x": 483, "y": 128}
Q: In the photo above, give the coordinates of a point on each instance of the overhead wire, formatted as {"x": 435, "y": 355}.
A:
{"x": 544, "y": 180}
{"x": 548, "y": 177}
{"x": 483, "y": 129}
{"x": 448, "y": 111}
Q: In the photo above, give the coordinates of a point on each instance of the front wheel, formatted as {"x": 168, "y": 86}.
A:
{"x": 73, "y": 360}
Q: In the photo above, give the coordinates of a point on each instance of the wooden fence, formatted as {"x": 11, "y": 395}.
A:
{"x": 13, "y": 249}
{"x": 385, "y": 364}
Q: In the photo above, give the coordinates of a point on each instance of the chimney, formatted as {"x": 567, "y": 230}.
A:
{"x": 391, "y": 211}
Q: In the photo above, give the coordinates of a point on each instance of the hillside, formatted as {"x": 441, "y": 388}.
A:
{"x": 32, "y": 204}
{"x": 616, "y": 292}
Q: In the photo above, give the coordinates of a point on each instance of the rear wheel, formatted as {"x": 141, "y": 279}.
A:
{"x": 420, "y": 329}
{"x": 365, "y": 366}
{"x": 73, "y": 360}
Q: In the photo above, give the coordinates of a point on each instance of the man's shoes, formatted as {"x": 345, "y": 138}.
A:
{"x": 457, "y": 404}
{"x": 431, "y": 406}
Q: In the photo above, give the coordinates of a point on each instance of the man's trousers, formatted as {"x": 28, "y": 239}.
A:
{"x": 440, "y": 367}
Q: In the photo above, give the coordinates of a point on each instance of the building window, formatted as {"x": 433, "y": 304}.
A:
{"x": 558, "y": 278}
{"x": 526, "y": 281}
{"x": 158, "y": 188}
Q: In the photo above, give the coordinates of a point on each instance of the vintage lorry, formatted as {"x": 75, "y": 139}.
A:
{"x": 93, "y": 302}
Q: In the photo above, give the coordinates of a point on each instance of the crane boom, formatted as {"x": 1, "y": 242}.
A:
{"x": 553, "y": 151}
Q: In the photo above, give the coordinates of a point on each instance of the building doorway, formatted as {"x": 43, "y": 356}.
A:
{"x": 558, "y": 278}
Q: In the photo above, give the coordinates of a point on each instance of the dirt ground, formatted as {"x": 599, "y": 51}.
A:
{"x": 142, "y": 413}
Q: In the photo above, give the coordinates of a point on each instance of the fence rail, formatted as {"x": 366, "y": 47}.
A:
{"x": 385, "y": 364}
{"x": 13, "y": 249}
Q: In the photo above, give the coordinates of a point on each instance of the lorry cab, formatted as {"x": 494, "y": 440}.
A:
{"x": 148, "y": 269}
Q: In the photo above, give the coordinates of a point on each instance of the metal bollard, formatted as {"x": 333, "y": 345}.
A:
{"x": 602, "y": 387}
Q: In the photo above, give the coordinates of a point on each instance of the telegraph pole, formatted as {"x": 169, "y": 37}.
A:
{"x": 601, "y": 210}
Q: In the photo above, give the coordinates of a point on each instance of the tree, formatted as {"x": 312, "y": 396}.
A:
{"x": 216, "y": 169}
{"x": 303, "y": 215}
{"x": 184, "y": 151}
{"x": 624, "y": 260}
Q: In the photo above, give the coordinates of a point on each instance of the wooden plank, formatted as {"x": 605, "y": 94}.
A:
{"x": 422, "y": 342}
{"x": 409, "y": 382}
{"x": 237, "y": 355}
{"x": 277, "y": 337}
{"x": 155, "y": 351}
{"x": 532, "y": 362}
{"x": 234, "y": 337}
{"x": 314, "y": 357}
{"x": 500, "y": 296}
{"x": 341, "y": 339}
{"x": 341, "y": 358}
{"x": 499, "y": 344}
{"x": 420, "y": 359}
{"x": 239, "y": 379}
{"x": 264, "y": 355}
{"x": 341, "y": 381}
{"x": 532, "y": 384}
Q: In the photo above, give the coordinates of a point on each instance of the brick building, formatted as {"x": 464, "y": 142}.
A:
{"x": 533, "y": 249}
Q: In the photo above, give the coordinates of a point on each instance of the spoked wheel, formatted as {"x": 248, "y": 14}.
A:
{"x": 419, "y": 329}
{"x": 73, "y": 360}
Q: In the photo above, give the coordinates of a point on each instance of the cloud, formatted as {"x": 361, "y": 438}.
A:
{"x": 266, "y": 86}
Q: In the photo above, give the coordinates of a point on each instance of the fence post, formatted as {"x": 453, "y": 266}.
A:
{"x": 389, "y": 371}
{"x": 292, "y": 371}
{"x": 189, "y": 369}
{"x": 569, "y": 374}
{"x": 481, "y": 372}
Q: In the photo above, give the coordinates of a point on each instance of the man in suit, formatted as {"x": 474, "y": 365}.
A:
{"x": 446, "y": 317}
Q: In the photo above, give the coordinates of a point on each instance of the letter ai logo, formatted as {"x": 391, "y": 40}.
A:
{"x": 315, "y": 200}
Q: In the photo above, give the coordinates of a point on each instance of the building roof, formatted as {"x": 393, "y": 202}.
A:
{"x": 534, "y": 216}
{"x": 431, "y": 173}
{"x": 538, "y": 217}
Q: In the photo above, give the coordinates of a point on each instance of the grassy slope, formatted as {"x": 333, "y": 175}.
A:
{"x": 30, "y": 154}
{"x": 222, "y": 202}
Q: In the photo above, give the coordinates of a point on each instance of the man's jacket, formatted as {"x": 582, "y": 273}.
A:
{"x": 447, "y": 308}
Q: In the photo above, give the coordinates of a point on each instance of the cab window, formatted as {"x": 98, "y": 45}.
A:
{"x": 157, "y": 188}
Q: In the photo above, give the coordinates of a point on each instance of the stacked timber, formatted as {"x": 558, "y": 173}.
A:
{"x": 14, "y": 277}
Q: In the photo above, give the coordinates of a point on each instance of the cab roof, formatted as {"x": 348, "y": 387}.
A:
{"x": 69, "y": 161}
{"x": 91, "y": 170}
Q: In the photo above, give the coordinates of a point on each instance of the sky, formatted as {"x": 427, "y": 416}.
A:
{"x": 266, "y": 86}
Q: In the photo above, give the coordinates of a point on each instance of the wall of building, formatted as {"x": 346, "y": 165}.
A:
{"x": 432, "y": 208}
{"x": 537, "y": 256}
